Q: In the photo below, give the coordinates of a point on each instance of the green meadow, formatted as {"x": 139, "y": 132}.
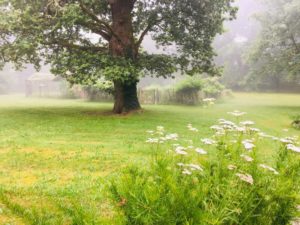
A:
{"x": 57, "y": 156}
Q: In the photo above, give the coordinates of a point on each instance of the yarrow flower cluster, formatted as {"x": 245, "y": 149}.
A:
{"x": 208, "y": 141}
{"x": 227, "y": 135}
{"x": 248, "y": 144}
{"x": 269, "y": 168}
{"x": 191, "y": 128}
{"x": 246, "y": 177}
{"x": 160, "y": 131}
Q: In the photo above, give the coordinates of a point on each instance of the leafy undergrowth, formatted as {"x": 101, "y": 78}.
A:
{"x": 222, "y": 182}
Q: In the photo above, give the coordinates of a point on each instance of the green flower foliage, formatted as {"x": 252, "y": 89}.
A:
{"x": 74, "y": 37}
{"x": 227, "y": 183}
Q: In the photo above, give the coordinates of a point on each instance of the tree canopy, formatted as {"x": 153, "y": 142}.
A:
{"x": 84, "y": 40}
{"x": 276, "y": 53}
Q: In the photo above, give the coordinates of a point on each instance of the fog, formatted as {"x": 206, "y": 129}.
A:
{"x": 231, "y": 48}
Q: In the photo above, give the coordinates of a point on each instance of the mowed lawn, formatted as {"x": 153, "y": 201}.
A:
{"x": 57, "y": 156}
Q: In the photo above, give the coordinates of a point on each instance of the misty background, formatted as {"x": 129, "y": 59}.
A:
{"x": 231, "y": 47}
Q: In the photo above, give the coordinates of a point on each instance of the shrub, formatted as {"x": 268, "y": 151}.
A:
{"x": 187, "y": 90}
{"x": 296, "y": 122}
{"x": 102, "y": 90}
{"x": 227, "y": 183}
{"x": 212, "y": 87}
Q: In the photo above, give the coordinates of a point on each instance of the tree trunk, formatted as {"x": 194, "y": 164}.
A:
{"x": 126, "y": 98}
{"x": 122, "y": 45}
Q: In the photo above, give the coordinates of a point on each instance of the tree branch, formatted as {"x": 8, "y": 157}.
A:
{"x": 70, "y": 45}
{"x": 102, "y": 22}
{"x": 144, "y": 33}
{"x": 96, "y": 29}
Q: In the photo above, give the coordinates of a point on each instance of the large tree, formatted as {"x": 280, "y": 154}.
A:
{"x": 87, "y": 39}
{"x": 275, "y": 55}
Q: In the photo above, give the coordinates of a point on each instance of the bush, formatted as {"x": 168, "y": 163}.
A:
{"x": 212, "y": 88}
{"x": 187, "y": 90}
{"x": 225, "y": 184}
{"x": 101, "y": 91}
{"x": 296, "y": 122}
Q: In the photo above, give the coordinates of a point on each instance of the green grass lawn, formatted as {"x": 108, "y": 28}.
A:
{"x": 56, "y": 156}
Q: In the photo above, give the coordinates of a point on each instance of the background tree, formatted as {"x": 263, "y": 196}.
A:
{"x": 275, "y": 56}
{"x": 87, "y": 39}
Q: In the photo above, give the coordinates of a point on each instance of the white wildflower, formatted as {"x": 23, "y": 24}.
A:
{"x": 268, "y": 168}
{"x": 180, "y": 164}
{"x": 191, "y": 128}
{"x": 173, "y": 137}
{"x": 200, "y": 151}
{"x": 237, "y": 113}
{"x": 247, "y": 158}
{"x": 209, "y": 100}
{"x": 195, "y": 167}
{"x": 160, "y": 128}
{"x": 286, "y": 141}
{"x": 240, "y": 129}
{"x": 152, "y": 140}
{"x": 248, "y": 145}
{"x": 293, "y": 148}
{"x": 216, "y": 128}
{"x": 247, "y": 123}
{"x": 256, "y": 130}
{"x": 231, "y": 167}
{"x": 186, "y": 172}
{"x": 180, "y": 150}
{"x": 245, "y": 177}
{"x": 264, "y": 135}
{"x": 227, "y": 122}
{"x": 208, "y": 141}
